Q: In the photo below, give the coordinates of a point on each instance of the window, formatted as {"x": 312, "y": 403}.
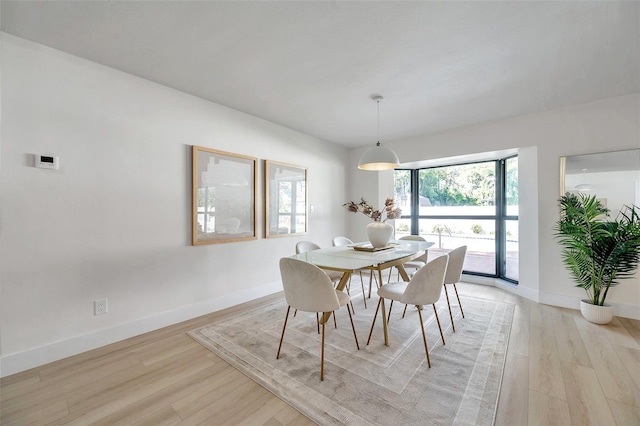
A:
{"x": 473, "y": 204}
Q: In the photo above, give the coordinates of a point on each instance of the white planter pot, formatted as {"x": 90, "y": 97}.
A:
{"x": 379, "y": 233}
{"x": 595, "y": 313}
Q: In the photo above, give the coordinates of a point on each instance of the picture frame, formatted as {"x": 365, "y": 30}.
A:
{"x": 285, "y": 199}
{"x": 223, "y": 196}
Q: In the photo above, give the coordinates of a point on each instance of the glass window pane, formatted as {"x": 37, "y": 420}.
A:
{"x": 477, "y": 235}
{"x": 402, "y": 185}
{"x": 511, "y": 186}
{"x": 512, "y": 250}
{"x": 467, "y": 189}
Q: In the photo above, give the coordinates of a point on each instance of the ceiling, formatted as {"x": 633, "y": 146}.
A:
{"x": 313, "y": 66}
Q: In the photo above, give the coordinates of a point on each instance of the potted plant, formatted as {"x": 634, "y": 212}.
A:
{"x": 597, "y": 251}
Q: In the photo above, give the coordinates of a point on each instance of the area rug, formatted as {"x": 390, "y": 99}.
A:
{"x": 378, "y": 384}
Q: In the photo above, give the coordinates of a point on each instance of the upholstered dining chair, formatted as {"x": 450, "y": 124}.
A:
{"x": 307, "y": 288}
{"x": 344, "y": 241}
{"x": 305, "y": 246}
{"x": 454, "y": 273}
{"x": 335, "y": 276}
{"x": 424, "y": 288}
{"x": 414, "y": 264}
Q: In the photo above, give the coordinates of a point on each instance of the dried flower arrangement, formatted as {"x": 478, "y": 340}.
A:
{"x": 388, "y": 212}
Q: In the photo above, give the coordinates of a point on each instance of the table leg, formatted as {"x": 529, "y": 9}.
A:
{"x": 384, "y": 323}
{"x": 341, "y": 285}
{"x": 403, "y": 273}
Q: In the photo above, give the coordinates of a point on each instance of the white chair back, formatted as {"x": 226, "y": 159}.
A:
{"x": 306, "y": 287}
{"x": 412, "y": 238}
{"x": 456, "y": 260}
{"x": 305, "y": 246}
{"x": 426, "y": 285}
{"x": 341, "y": 241}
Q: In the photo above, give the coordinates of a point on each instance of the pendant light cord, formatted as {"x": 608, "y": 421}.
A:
{"x": 378, "y": 128}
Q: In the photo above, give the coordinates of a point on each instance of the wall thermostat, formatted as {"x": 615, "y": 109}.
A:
{"x": 47, "y": 162}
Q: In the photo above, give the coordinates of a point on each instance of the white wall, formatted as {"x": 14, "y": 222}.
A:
{"x": 541, "y": 139}
{"x": 114, "y": 221}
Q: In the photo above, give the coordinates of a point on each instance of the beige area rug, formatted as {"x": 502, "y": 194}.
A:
{"x": 376, "y": 385}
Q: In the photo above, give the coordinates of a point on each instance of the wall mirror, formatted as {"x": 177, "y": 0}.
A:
{"x": 613, "y": 177}
{"x": 285, "y": 198}
{"x": 224, "y": 196}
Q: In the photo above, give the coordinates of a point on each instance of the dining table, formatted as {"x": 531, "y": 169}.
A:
{"x": 357, "y": 256}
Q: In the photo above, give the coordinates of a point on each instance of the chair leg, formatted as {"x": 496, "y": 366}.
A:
{"x": 446, "y": 293}
{"x": 438, "y": 319}
{"x": 295, "y": 312}
{"x": 364, "y": 293}
{"x": 424, "y": 337}
{"x": 335, "y": 324}
{"x": 353, "y": 327}
{"x": 318, "y": 322}
{"x": 459, "y": 304}
{"x": 405, "y": 310}
{"x": 322, "y": 356}
{"x": 390, "y": 307}
{"x": 372, "y": 277}
{"x": 374, "y": 320}
{"x": 283, "y": 328}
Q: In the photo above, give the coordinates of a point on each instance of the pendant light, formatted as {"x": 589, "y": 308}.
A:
{"x": 378, "y": 157}
{"x": 584, "y": 187}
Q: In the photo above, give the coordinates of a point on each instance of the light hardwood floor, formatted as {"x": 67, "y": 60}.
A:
{"x": 559, "y": 370}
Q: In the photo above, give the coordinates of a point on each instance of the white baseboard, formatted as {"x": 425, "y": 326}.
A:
{"x": 21, "y": 361}
{"x": 571, "y": 302}
{"x": 619, "y": 309}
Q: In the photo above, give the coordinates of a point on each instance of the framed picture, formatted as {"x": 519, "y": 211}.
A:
{"x": 224, "y": 196}
{"x": 285, "y": 199}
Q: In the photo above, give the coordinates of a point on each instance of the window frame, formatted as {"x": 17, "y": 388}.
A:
{"x": 499, "y": 217}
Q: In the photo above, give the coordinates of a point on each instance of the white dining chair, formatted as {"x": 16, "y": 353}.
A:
{"x": 344, "y": 241}
{"x": 424, "y": 288}
{"x": 307, "y": 288}
{"x": 306, "y": 246}
{"x": 414, "y": 264}
{"x": 454, "y": 273}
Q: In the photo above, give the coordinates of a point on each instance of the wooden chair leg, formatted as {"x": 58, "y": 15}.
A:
{"x": 364, "y": 293}
{"x": 424, "y": 338}
{"x": 295, "y": 312}
{"x": 372, "y": 277}
{"x": 405, "y": 310}
{"x": 374, "y": 320}
{"x": 438, "y": 319}
{"x": 353, "y": 327}
{"x": 446, "y": 293}
{"x": 283, "y": 328}
{"x": 390, "y": 307}
{"x": 318, "y": 322}
{"x": 322, "y": 356}
{"x": 335, "y": 324}
{"x": 459, "y": 304}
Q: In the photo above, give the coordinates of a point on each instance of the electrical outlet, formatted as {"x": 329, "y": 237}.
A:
{"x": 100, "y": 307}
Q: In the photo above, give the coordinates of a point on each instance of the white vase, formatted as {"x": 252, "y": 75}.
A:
{"x": 379, "y": 233}
{"x": 595, "y": 313}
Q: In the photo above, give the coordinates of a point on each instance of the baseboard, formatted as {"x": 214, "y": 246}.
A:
{"x": 527, "y": 293}
{"x": 619, "y": 309}
{"x": 21, "y": 361}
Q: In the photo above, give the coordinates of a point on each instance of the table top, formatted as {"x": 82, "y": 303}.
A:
{"x": 347, "y": 258}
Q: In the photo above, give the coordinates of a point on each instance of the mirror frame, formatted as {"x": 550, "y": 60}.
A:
{"x": 273, "y": 193}
{"x": 236, "y": 175}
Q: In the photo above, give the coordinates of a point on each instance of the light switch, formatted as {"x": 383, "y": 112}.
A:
{"x": 47, "y": 162}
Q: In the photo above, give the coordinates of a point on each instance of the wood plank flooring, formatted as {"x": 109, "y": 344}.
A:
{"x": 560, "y": 370}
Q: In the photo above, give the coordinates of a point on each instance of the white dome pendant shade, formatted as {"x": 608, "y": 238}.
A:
{"x": 378, "y": 157}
